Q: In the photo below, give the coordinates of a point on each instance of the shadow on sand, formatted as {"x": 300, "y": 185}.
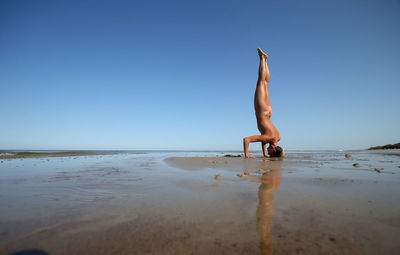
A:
{"x": 30, "y": 252}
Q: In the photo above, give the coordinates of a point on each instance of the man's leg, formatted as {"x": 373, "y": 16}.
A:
{"x": 263, "y": 71}
{"x": 261, "y": 99}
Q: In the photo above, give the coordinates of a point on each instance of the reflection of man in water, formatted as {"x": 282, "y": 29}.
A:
{"x": 269, "y": 183}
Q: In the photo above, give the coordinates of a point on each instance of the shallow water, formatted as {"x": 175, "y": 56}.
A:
{"x": 170, "y": 203}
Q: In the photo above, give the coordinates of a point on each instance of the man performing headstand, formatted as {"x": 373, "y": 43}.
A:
{"x": 262, "y": 106}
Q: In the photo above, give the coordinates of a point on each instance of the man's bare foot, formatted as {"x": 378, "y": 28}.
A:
{"x": 261, "y": 53}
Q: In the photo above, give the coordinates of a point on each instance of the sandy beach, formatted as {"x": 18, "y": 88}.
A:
{"x": 311, "y": 202}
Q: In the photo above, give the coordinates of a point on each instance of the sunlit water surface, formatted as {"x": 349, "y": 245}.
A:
{"x": 313, "y": 202}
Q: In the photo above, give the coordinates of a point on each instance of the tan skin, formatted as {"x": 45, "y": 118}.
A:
{"x": 263, "y": 109}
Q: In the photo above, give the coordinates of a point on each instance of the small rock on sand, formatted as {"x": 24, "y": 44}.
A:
{"x": 244, "y": 175}
{"x": 218, "y": 177}
{"x": 378, "y": 169}
{"x": 261, "y": 171}
{"x": 347, "y": 155}
{"x": 356, "y": 165}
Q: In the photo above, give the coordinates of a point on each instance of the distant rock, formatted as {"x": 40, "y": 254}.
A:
{"x": 244, "y": 175}
{"x": 347, "y": 155}
{"x": 386, "y": 147}
{"x": 232, "y": 156}
{"x": 378, "y": 170}
{"x": 218, "y": 177}
{"x": 356, "y": 165}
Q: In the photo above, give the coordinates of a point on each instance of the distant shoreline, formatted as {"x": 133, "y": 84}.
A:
{"x": 21, "y": 154}
{"x": 386, "y": 147}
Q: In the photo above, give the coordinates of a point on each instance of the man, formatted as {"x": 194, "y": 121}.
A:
{"x": 263, "y": 109}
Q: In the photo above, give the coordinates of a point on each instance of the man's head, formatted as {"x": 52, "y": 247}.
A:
{"x": 275, "y": 151}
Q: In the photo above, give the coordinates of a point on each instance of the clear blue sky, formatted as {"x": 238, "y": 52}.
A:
{"x": 182, "y": 74}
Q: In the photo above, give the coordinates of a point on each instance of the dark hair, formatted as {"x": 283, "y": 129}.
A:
{"x": 278, "y": 152}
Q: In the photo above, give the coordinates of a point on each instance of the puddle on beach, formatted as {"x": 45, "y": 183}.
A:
{"x": 172, "y": 203}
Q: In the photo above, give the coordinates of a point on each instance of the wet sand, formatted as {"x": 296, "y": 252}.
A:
{"x": 171, "y": 203}
{"x": 30, "y": 154}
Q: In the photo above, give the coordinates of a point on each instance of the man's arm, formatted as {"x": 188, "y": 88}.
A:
{"x": 257, "y": 138}
{"x": 246, "y": 143}
{"x": 264, "y": 149}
